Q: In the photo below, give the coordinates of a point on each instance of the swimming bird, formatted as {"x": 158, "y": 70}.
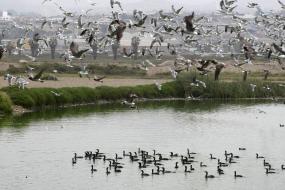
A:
{"x": 93, "y": 169}
{"x": 208, "y": 176}
{"x": 267, "y": 171}
{"x": 173, "y": 155}
{"x": 117, "y": 170}
{"x": 233, "y": 156}
{"x": 176, "y": 165}
{"x": 154, "y": 173}
{"x": 165, "y": 171}
{"x": 107, "y": 171}
{"x": 186, "y": 170}
{"x": 143, "y": 174}
{"x": 236, "y": 175}
{"x": 265, "y": 163}
{"x": 211, "y": 157}
{"x": 231, "y": 161}
{"x": 202, "y": 165}
{"x": 220, "y": 171}
{"x": 73, "y": 161}
{"x": 77, "y": 157}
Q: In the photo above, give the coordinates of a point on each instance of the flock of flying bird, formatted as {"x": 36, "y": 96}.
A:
{"x": 160, "y": 164}
{"x": 188, "y": 31}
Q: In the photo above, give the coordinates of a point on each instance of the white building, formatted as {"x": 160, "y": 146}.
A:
{"x": 5, "y": 16}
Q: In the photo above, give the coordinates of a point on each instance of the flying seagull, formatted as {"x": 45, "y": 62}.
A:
{"x": 74, "y": 48}
{"x": 113, "y": 2}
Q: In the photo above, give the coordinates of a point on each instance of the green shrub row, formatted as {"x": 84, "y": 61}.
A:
{"x": 5, "y": 103}
{"x": 41, "y": 97}
{"x": 230, "y": 90}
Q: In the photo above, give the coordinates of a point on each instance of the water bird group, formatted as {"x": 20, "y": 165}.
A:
{"x": 156, "y": 163}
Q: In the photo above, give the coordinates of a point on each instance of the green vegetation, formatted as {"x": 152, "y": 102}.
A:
{"x": 38, "y": 98}
{"x": 41, "y": 97}
{"x": 5, "y": 103}
{"x": 230, "y": 90}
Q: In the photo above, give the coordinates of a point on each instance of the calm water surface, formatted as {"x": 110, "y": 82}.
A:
{"x": 36, "y": 149}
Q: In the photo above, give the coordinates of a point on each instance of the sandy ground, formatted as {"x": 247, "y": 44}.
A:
{"x": 79, "y": 82}
{"x": 69, "y": 81}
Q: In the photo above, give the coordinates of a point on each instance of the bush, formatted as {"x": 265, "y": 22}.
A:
{"x": 41, "y": 97}
{"x": 5, "y": 103}
{"x": 230, "y": 90}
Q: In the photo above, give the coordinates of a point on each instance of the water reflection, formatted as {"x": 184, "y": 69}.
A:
{"x": 179, "y": 105}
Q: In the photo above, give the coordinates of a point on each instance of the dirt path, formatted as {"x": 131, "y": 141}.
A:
{"x": 84, "y": 82}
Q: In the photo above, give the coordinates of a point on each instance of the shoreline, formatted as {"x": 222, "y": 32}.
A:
{"x": 18, "y": 110}
{"x": 21, "y": 101}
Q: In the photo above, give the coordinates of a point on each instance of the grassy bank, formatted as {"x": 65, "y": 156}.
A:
{"x": 41, "y": 97}
{"x": 5, "y": 103}
{"x": 230, "y": 90}
{"x": 37, "y": 98}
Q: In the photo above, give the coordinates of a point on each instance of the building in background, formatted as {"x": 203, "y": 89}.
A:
{"x": 4, "y": 16}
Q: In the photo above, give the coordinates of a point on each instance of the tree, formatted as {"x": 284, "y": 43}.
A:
{"x": 52, "y": 44}
{"x": 135, "y": 46}
{"x": 115, "y": 47}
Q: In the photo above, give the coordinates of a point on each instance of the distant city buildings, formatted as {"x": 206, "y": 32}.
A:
{"x": 4, "y": 16}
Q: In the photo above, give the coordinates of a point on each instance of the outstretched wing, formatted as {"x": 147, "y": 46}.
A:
{"x": 79, "y": 54}
{"x": 74, "y": 48}
{"x": 282, "y": 4}
{"x": 39, "y": 75}
{"x": 279, "y": 49}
